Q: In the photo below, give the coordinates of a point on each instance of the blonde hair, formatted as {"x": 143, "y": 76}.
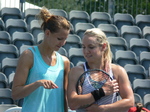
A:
{"x": 101, "y": 39}
{"x": 52, "y": 22}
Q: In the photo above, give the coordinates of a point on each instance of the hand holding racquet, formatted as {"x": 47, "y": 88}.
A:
{"x": 95, "y": 77}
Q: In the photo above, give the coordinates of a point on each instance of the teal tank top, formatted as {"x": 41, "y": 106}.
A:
{"x": 45, "y": 100}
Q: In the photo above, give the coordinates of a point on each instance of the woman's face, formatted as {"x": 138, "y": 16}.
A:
{"x": 56, "y": 40}
{"x": 91, "y": 48}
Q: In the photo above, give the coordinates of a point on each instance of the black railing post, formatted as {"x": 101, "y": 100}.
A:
{"x": 111, "y": 7}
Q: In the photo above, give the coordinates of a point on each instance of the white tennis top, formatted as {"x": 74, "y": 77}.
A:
{"x": 87, "y": 88}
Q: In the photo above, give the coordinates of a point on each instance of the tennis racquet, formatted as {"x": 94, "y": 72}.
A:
{"x": 96, "y": 77}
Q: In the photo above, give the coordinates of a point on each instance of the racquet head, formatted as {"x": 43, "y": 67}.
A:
{"x": 96, "y": 77}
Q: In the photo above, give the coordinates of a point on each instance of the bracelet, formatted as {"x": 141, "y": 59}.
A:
{"x": 97, "y": 94}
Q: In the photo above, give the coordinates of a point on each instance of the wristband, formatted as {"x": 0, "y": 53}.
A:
{"x": 97, "y": 94}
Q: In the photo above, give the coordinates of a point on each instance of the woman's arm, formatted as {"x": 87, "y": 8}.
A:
{"x": 19, "y": 89}
{"x": 77, "y": 101}
{"x": 66, "y": 72}
{"x": 125, "y": 92}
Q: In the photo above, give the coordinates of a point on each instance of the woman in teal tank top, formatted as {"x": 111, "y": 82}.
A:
{"x": 42, "y": 73}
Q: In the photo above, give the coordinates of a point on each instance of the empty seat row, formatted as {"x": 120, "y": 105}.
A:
{"x": 127, "y": 32}
{"x": 75, "y": 16}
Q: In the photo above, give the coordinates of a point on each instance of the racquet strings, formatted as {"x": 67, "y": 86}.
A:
{"x": 97, "y": 78}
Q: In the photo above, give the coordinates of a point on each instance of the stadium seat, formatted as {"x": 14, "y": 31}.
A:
{"x": 3, "y": 80}
{"x": 14, "y": 25}
{"x": 141, "y": 87}
{"x": 10, "y": 79}
{"x": 139, "y": 45}
{"x": 76, "y": 55}
{"x": 73, "y": 41}
{"x": 35, "y": 28}
{"x": 9, "y": 65}
{"x": 8, "y": 50}
{"x": 40, "y": 38}
{"x": 78, "y": 16}
{"x": 117, "y": 43}
{"x": 80, "y": 28}
{"x": 109, "y": 29}
{"x": 23, "y": 47}
{"x": 72, "y": 29}
{"x": 121, "y": 19}
{"x": 22, "y": 38}
{"x": 145, "y": 59}
{"x": 11, "y": 13}
{"x": 137, "y": 98}
{"x": 146, "y": 33}
{"x": 146, "y": 101}
{"x": 142, "y": 20}
{"x": 135, "y": 72}
{"x": 100, "y": 18}
{"x": 14, "y": 109}
{"x": 63, "y": 51}
{"x": 30, "y": 14}
{"x": 5, "y": 96}
{"x": 2, "y": 25}
{"x": 125, "y": 57}
{"x": 59, "y": 12}
{"x": 4, "y": 107}
{"x": 129, "y": 32}
{"x": 5, "y": 37}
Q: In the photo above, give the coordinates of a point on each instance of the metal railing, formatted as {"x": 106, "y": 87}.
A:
{"x": 133, "y": 7}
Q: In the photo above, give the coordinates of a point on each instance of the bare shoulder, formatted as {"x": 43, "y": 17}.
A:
{"x": 118, "y": 71}
{"x": 26, "y": 58}
{"x": 76, "y": 72}
{"x": 66, "y": 59}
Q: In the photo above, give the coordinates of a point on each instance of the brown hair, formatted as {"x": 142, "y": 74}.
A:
{"x": 52, "y": 22}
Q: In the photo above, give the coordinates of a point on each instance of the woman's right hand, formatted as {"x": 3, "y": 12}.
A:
{"x": 47, "y": 84}
{"x": 110, "y": 87}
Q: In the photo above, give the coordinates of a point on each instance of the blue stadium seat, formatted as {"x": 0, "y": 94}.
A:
{"x": 76, "y": 55}
{"x": 63, "y": 51}
{"x": 5, "y": 37}
{"x": 9, "y": 66}
{"x": 139, "y": 45}
{"x": 141, "y": 87}
{"x": 129, "y": 32}
{"x": 100, "y": 18}
{"x": 2, "y": 25}
{"x": 146, "y": 33}
{"x": 8, "y": 50}
{"x": 35, "y": 28}
{"x": 73, "y": 41}
{"x": 142, "y": 20}
{"x": 117, "y": 43}
{"x": 80, "y": 28}
{"x": 145, "y": 59}
{"x": 13, "y": 25}
{"x": 3, "y": 80}
{"x": 135, "y": 72}
{"x": 78, "y": 16}
{"x": 121, "y": 19}
{"x": 5, "y": 96}
{"x": 59, "y": 12}
{"x": 30, "y": 14}
{"x": 40, "y": 38}
{"x": 125, "y": 57}
{"x": 22, "y": 38}
{"x": 109, "y": 29}
{"x": 11, "y": 13}
{"x": 146, "y": 101}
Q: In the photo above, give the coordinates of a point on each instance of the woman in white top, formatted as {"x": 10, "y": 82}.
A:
{"x": 97, "y": 53}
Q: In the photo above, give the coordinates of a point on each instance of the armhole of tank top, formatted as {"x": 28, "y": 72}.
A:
{"x": 112, "y": 74}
